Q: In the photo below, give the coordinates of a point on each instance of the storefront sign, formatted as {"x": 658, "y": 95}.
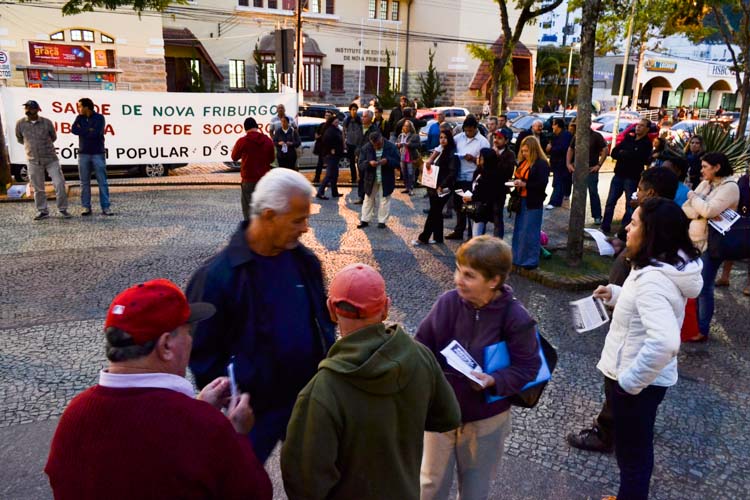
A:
{"x": 720, "y": 70}
{"x": 57, "y": 54}
{"x": 661, "y": 65}
{"x": 146, "y": 127}
{"x": 5, "y": 70}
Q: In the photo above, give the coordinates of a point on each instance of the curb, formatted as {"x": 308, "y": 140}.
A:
{"x": 578, "y": 284}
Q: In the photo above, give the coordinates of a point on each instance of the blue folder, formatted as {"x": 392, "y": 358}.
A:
{"x": 496, "y": 357}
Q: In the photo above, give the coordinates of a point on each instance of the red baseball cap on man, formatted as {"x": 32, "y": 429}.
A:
{"x": 150, "y": 309}
{"x": 360, "y": 286}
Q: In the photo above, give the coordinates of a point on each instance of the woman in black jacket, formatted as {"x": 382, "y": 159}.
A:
{"x": 286, "y": 139}
{"x": 332, "y": 148}
{"x": 486, "y": 187}
{"x": 447, "y": 163}
{"x": 531, "y": 179}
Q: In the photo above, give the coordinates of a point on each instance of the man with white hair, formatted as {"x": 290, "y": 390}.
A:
{"x": 537, "y": 130}
{"x": 271, "y": 319}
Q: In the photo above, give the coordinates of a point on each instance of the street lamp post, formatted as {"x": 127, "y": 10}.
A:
{"x": 567, "y": 81}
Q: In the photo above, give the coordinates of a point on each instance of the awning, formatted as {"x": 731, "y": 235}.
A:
{"x": 482, "y": 75}
{"x": 174, "y": 37}
{"x": 310, "y": 48}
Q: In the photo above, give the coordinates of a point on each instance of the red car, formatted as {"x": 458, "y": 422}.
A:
{"x": 653, "y": 132}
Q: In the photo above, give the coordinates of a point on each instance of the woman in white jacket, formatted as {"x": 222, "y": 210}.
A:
{"x": 717, "y": 192}
{"x": 639, "y": 359}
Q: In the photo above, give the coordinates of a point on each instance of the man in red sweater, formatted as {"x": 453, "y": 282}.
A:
{"x": 257, "y": 153}
{"x": 140, "y": 433}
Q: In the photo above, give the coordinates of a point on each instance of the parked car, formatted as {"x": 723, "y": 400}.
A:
{"x": 653, "y": 131}
{"x": 306, "y": 127}
{"x": 607, "y": 129}
{"x": 683, "y": 130}
{"x": 515, "y": 113}
{"x": 452, "y": 113}
{"x": 21, "y": 173}
{"x": 424, "y": 130}
{"x": 524, "y": 122}
{"x": 316, "y": 109}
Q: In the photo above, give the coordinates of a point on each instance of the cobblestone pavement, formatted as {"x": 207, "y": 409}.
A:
{"x": 59, "y": 276}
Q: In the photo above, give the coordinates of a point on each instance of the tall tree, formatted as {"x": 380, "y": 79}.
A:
{"x": 527, "y": 10}
{"x": 591, "y": 10}
{"x": 77, "y": 6}
{"x": 430, "y": 86}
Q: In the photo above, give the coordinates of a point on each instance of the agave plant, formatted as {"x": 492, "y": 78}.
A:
{"x": 716, "y": 139}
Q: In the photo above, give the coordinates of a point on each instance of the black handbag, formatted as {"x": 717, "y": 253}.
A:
{"x": 472, "y": 209}
{"x": 530, "y": 397}
{"x": 735, "y": 244}
{"x": 514, "y": 202}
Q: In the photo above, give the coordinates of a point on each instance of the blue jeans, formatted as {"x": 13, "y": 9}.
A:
{"x": 616, "y": 188}
{"x": 562, "y": 184}
{"x": 706, "y": 297}
{"x": 592, "y": 182}
{"x": 86, "y": 164}
{"x": 526, "y": 245}
{"x": 634, "y": 418}
{"x": 407, "y": 173}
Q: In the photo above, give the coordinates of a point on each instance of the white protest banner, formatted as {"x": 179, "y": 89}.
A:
{"x": 147, "y": 127}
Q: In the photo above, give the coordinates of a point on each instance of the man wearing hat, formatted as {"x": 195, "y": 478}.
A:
{"x": 507, "y": 164}
{"x": 38, "y": 136}
{"x": 140, "y": 433}
{"x": 357, "y": 428}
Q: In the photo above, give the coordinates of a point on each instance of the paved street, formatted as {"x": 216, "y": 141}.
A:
{"x": 59, "y": 276}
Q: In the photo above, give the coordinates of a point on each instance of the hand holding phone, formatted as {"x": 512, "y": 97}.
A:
{"x": 233, "y": 382}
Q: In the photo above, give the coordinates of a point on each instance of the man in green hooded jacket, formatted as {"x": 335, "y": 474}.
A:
{"x": 357, "y": 427}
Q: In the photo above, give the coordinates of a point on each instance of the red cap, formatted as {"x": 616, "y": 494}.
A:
{"x": 362, "y": 287}
{"x": 148, "y": 310}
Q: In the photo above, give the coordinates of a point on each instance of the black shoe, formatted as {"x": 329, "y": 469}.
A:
{"x": 589, "y": 439}
{"x": 359, "y": 202}
{"x": 405, "y": 191}
{"x": 321, "y": 197}
{"x": 426, "y": 211}
{"x": 86, "y": 212}
{"x": 362, "y": 225}
{"x": 65, "y": 214}
{"x": 381, "y": 225}
{"x": 42, "y": 216}
{"x": 447, "y": 216}
{"x": 337, "y": 195}
{"x": 106, "y": 211}
{"x": 454, "y": 236}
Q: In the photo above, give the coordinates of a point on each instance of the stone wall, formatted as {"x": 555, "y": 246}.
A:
{"x": 143, "y": 74}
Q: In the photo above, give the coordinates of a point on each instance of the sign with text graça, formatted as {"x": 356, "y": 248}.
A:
{"x": 148, "y": 127}
{"x": 58, "y": 54}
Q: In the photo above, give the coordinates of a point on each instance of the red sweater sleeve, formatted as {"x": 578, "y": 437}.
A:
{"x": 237, "y": 150}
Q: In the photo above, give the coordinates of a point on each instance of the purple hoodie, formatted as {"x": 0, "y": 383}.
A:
{"x": 454, "y": 318}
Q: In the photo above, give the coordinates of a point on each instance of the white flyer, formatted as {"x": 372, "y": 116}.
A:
{"x": 725, "y": 220}
{"x": 429, "y": 177}
{"x": 460, "y": 359}
{"x": 588, "y": 313}
{"x": 604, "y": 246}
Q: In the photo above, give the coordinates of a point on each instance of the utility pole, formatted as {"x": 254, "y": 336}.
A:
{"x": 300, "y": 65}
{"x": 616, "y": 128}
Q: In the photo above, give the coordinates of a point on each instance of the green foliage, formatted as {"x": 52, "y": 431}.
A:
{"x": 388, "y": 97}
{"x": 72, "y": 7}
{"x": 431, "y": 88}
{"x": 716, "y": 139}
{"x": 261, "y": 69}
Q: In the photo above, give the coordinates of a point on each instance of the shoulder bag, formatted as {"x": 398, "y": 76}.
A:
{"x": 735, "y": 243}
{"x": 496, "y": 356}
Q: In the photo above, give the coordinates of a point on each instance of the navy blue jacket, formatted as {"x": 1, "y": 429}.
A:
{"x": 387, "y": 172}
{"x": 226, "y": 281}
{"x": 90, "y": 132}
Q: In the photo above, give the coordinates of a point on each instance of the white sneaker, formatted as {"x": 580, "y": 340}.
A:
{"x": 549, "y": 207}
